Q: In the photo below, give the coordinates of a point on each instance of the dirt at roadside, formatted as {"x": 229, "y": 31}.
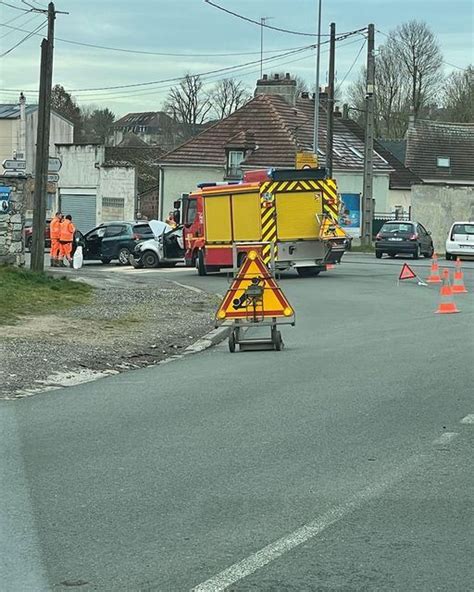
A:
{"x": 121, "y": 328}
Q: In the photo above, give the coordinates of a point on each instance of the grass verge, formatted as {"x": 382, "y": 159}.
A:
{"x": 24, "y": 292}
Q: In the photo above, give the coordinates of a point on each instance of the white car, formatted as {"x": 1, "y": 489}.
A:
{"x": 460, "y": 241}
{"x": 166, "y": 248}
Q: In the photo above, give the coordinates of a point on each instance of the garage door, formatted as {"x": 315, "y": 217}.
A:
{"x": 82, "y": 209}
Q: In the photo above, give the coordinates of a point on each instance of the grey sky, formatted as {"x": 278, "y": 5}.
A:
{"x": 194, "y": 27}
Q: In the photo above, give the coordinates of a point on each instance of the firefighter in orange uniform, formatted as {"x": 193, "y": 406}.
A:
{"x": 54, "y": 232}
{"x": 66, "y": 238}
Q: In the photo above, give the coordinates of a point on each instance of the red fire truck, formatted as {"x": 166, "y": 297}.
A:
{"x": 290, "y": 215}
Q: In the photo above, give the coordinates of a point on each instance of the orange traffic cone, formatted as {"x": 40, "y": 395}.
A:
{"x": 458, "y": 281}
{"x": 447, "y": 304}
{"x": 434, "y": 277}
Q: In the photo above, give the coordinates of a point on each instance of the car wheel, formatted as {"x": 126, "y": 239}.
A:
{"x": 417, "y": 253}
{"x": 378, "y": 254}
{"x": 449, "y": 257}
{"x": 308, "y": 271}
{"x": 105, "y": 260}
{"x": 430, "y": 253}
{"x": 201, "y": 267}
{"x": 124, "y": 256}
{"x": 150, "y": 259}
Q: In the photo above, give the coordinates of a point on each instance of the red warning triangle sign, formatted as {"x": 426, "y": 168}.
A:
{"x": 406, "y": 273}
{"x": 254, "y": 294}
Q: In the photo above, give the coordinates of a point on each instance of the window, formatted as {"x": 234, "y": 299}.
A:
{"x": 234, "y": 159}
{"x": 466, "y": 229}
{"x": 191, "y": 211}
{"x": 395, "y": 227}
{"x": 443, "y": 162}
{"x": 115, "y": 230}
{"x": 142, "y": 230}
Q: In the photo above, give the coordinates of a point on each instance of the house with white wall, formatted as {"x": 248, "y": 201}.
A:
{"x": 267, "y": 132}
{"x": 18, "y": 132}
{"x": 93, "y": 190}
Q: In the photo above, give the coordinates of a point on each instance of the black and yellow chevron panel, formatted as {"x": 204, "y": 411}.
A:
{"x": 269, "y": 229}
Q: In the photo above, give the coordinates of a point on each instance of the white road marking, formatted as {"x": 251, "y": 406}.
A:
{"x": 468, "y": 419}
{"x": 274, "y": 550}
{"x": 445, "y": 438}
{"x": 187, "y": 287}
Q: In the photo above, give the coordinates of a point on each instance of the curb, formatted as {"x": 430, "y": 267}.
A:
{"x": 210, "y": 339}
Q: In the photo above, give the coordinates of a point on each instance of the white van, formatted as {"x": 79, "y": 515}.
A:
{"x": 460, "y": 240}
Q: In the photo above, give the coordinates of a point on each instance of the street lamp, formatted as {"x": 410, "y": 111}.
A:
{"x": 316, "y": 96}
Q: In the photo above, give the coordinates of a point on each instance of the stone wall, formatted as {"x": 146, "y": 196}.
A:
{"x": 438, "y": 206}
{"x": 12, "y": 248}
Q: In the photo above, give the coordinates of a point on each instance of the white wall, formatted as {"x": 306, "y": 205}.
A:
{"x": 119, "y": 183}
{"x": 80, "y": 165}
{"x": 184, "y": 179}
{"x": 438, "y": 206}
{"x": 61, "y": 132}
{"x": 83, "y": 173}
{"x": 353, "y": 183}
{"x": 399, "y": 197}
{"x": 8, "y": 138}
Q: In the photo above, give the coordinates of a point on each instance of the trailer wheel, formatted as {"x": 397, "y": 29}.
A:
{"x": 201, "y": 267}
{"x": 232, "y": 342}
{"x": 277, "y": 340}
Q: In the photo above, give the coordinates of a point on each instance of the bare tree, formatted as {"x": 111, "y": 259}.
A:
{"x": 407, "y": 79}
{"x": 188, "y": 103}
{"x": 227, "y": 96}
{"x": 458, "y": 99}
{"x": 420, "y": 58}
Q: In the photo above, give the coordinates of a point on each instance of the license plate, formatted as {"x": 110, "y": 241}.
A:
{"x": 466, "y": 247}
{"x": 395, "y": 239}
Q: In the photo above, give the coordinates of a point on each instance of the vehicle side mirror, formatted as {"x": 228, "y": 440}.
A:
{"x": 177, "y": 204}
{"x": 177, "y": 216}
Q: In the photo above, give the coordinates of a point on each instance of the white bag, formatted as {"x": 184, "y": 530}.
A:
{"x": 78, "y": 258}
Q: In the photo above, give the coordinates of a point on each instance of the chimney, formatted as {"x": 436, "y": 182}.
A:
{"x": 345, "y": 111}
{"x": 283, "y": 87}
{"x": 22, "y": 139}
{"x": 337, "y": 111}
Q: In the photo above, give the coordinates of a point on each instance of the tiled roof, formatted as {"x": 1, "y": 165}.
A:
{"x": 147, "y": 118}
{"x": 280, "y": 130}
{"x": 430, "y": 140}
{"x": 401, "y": 176}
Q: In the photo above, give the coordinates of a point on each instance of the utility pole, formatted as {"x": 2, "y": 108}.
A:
{"x": 367, "y": 194}
{"x": 42, "y": 145}
{"x": 316, "y": 95}
{"x": 330, "y": 106}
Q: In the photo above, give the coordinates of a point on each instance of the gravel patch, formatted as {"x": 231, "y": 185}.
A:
{"x": 120, "y": 329}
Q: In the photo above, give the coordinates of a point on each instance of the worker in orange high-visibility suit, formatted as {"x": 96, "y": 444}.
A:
{"x": 66, "y": 238}
{"x": 54, "y": 232}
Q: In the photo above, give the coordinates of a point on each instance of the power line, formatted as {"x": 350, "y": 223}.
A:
{"x": 249, "y": 20}
{"x": 15, "y": 7}
{"x": 34, "y": 17}
{"x": 157, "y": 53}
{"x": 352, "y": 65}
{"x": 23, "y": 40}
{"x": 162, "y": 89}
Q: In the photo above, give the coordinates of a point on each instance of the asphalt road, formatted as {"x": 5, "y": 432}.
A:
{"x": 342, "y": 463}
